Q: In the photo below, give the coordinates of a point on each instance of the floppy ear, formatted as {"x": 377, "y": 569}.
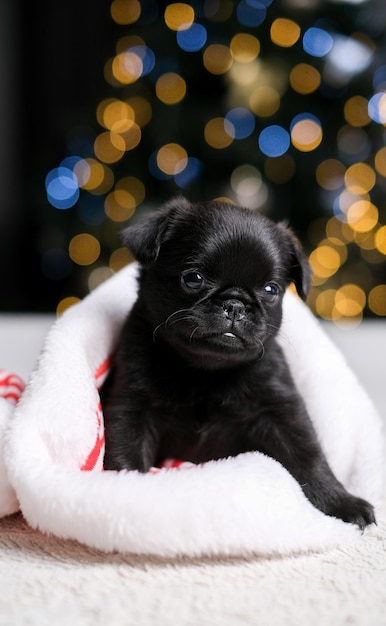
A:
{"x": 299, "y": 267}
{"x": 145, "y": 238}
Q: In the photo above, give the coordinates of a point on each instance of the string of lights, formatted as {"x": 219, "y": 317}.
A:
{"x": 279, "y": 106}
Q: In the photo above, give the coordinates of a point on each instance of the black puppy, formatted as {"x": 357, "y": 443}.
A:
{"x": 198, "y": 374}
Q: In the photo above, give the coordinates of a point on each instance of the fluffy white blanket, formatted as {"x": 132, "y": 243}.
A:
{"x": 53, "y": 446}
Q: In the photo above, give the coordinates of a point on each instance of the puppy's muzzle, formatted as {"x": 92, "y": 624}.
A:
{"x": 234, "y": 310}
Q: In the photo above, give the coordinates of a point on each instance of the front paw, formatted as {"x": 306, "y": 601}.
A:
{"x": 352, "y": 510}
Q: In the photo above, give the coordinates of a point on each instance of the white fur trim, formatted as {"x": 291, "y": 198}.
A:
{"x": 248, "y": 504}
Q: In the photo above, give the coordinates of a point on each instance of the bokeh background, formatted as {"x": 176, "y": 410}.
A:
{"x": 109, "y": 108}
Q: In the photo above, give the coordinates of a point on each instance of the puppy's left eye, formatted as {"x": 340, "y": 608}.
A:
{"x": 271, "y": 292}
{"x": 193, "y": 280}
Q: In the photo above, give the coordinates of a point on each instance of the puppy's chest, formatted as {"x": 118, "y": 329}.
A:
{"x": 199, "y": 423}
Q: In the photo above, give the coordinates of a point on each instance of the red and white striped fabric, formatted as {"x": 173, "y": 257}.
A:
{"x": 11, "y": 386}
{"x": 95, "y": 457}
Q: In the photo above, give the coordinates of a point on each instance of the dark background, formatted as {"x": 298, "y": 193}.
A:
{"x": 52, "y": 56}
{"x": 52, "y": 60}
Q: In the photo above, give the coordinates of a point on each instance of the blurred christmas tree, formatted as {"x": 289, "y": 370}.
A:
{"x": 278, "y": 105}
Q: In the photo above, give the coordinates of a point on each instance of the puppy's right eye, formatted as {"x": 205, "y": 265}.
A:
{"x": 193, "y": 280}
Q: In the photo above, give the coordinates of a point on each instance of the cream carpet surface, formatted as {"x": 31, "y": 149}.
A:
{"x": 46, "y": 580}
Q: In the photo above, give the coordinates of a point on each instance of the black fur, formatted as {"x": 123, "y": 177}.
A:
{"x": 198, "y": 374}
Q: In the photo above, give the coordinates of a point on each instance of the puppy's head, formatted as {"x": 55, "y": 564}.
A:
{"x": 213, "y": 279}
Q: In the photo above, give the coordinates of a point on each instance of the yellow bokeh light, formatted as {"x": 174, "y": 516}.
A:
{"x": 170, "y": 88}
{"x": 134, "y": 186}
{"x": 244, "y": 48}
{"x": 179, "y": 16}
{"x": 120, "y": 205}
{"x": 244, "y": 74}
{"x": 356, "y": 111}
{"x": 127, "y": 67}
{"x": 362, "y": 216}
{"x": 172, "y": 158}
{"x": 216, "y": 135}
{"x": 380, "y": 161}
{"x": 347, "y": 232}
{"x": 117, "y": 141}
{"x": 325, "y": 261}
{"x": 360, "y": 178}
{"x": 325, "y": 303}
{"x": 84, "y": 249}
{"x": 377, "y": 300}
{"x": 304, "y": 78}
{"x": 338, "y": 230}
{"x": 338, "y": 245}
{"x": 94, "y": 176}
{"x": 131, "y": 138}
{"x": 330, "y": 174}
{"x": 109, "y": 147}
{"x": 125, "y": 11}
{"x": 217, "y": 59}
{"x": 380, "y": 240}
{"x": 108, "y": 74}
{"x": 350, "y": 300}
{"x": 365, "y": 240}
{"x": 65, "y": 304}
{"x": 284, "y": 32}
{"x": 115, "y": 115}
{"x": 119, "y": 259}
{"x": 333, "y": 227}
{"x": 306, "y": 135}
{"x": 264, "y": 101}
{"x": 142, "y": 110}
{"x": 347, "y": 198}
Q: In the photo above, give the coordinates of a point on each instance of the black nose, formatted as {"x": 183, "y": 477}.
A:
{"x": 234, "y": 309}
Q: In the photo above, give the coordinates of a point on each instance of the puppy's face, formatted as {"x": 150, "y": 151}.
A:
{"x": 214, "y": 278}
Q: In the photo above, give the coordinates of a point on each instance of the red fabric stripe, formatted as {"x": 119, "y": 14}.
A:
{"x": 12, "y": 397}
{"x": 11, "y": 386}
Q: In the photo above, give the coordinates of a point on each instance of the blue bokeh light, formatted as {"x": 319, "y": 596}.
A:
{"x": 189, "y": 173}
{"x": 242, "y": 121}
{"x": 70, "y": 161}
{"x": 251, "y": 13}
{"x": 377, "y": 107}
{"x": 274, "y": 141}
{"x": 317, "y": 42}
{"x": 379, "y": 78}
{"x": 62, "y": 188}
{"x": 193, "y": 38}
{"x": 258, "y": 4}
{"x": 337, "y": 209}
{"x": 147, "y": 57}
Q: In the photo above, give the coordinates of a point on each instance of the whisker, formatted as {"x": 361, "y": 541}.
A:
{"x": 168, "y": 320}
{"x": 155, "y": 331}
{"x": 263, "y": 348}
{"x": 192, "y": 333}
